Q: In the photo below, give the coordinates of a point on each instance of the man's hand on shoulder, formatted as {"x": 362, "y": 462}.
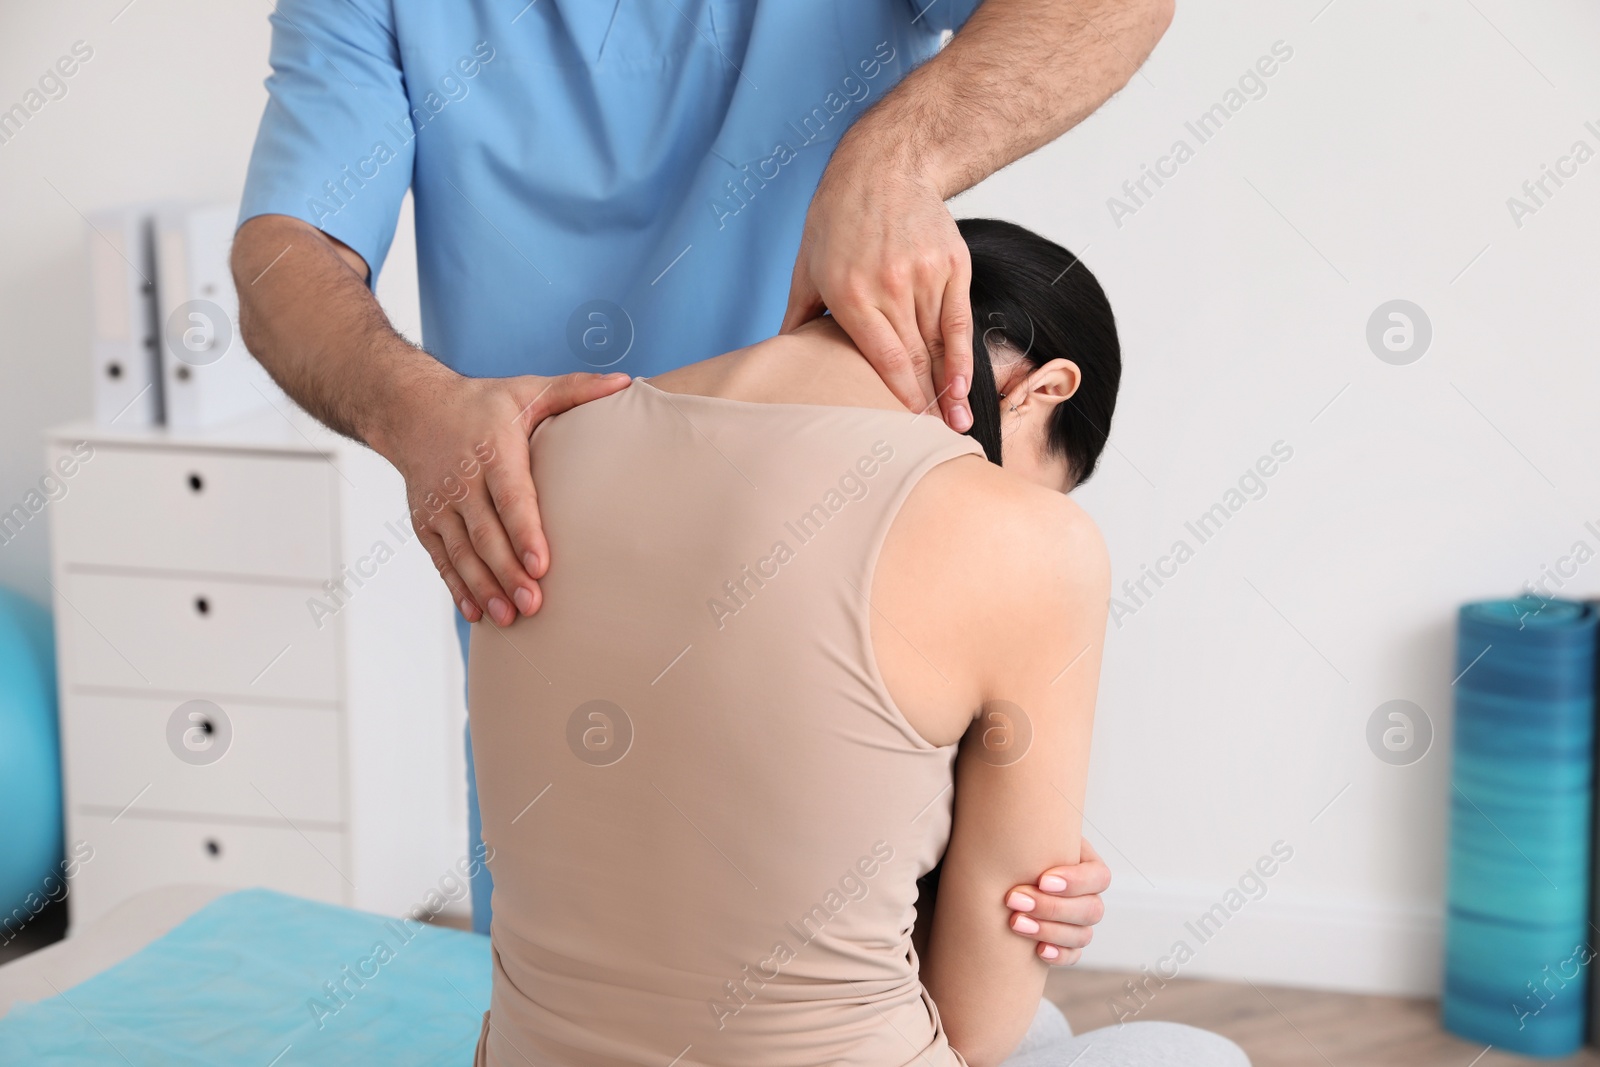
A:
{"x": 462, "y": 446}
{"x": 881, "y": 253}
{"x": 460, "y": 443}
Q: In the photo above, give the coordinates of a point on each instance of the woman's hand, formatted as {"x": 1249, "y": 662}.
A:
{"x": 1060, "y": 911}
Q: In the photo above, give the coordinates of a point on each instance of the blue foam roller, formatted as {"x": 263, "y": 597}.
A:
{"x": 1517, "y": 945}
{"x": 30, "y": 764}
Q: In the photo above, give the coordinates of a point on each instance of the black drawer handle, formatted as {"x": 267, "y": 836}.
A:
{"x": 196, "y": 483}
{"x": 202, "y": 605}
{"x": 213, "y": 848}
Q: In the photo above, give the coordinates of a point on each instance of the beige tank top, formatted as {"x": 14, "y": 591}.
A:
{"x": 707, "y": 815}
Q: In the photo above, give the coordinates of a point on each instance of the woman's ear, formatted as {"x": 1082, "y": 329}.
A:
{"x": 1047, "y": 385}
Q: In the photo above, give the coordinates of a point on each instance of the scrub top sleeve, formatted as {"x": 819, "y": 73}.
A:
{"x": 335, "y": 145}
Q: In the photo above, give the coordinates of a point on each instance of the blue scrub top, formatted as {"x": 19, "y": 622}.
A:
{"x": 597, "y": 185}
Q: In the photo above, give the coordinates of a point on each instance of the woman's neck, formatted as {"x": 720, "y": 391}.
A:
{"x": 815, "y": 364}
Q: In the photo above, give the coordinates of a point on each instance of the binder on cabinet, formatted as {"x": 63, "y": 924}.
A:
{"x": 208, "y": 376}
{"x": 125, "y": 351}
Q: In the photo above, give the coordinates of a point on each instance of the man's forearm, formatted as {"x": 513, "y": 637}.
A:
{"x": 308, "y": 317}
{"x": 1018, "y": 75}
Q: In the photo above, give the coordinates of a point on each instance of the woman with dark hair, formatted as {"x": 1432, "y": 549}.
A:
{"x": 1032, "y": 298}
{"x": 801, "y": 647}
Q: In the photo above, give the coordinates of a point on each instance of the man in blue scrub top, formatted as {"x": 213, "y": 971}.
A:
{"x": 626, "y": 186}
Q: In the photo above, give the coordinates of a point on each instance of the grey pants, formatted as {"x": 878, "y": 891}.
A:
{"x": 1050, "y": 1043}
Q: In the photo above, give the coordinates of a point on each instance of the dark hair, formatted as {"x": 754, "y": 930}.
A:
{"x": 1039, "y": 300}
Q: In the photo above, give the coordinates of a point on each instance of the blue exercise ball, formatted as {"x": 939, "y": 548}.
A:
{"x": 30, "y": 764}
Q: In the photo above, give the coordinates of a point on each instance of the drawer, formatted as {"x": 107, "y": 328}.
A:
{"x": 134, "y": 854}
{"x": 197, "y": 635}
{"x": 270, "y": 762}
{"x": 198, "y": 511}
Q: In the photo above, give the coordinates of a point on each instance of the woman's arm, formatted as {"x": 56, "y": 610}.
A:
{"x": 1020, "y": 775}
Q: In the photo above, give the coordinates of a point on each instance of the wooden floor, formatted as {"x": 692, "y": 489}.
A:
{"x": 1281, "y": 1027}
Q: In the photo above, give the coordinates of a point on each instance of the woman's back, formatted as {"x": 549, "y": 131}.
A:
{"x": 707, "y": 813}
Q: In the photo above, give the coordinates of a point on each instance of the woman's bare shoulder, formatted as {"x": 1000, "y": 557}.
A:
{"x": 1023, "y": 569}
{"x": 1022, "y": 525}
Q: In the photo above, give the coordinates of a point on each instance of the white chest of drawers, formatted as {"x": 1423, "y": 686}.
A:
{"x": 267, "y": 569}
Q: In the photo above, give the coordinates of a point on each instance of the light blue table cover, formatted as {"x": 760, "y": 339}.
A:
{"x": 251, "y": 980}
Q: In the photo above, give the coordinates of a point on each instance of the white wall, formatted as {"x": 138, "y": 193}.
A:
{"x": 1376, "y": 166}
{"x": 165, "y": 108}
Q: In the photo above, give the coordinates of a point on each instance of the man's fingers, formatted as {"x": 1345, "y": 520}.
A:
{"x": 805, "y": 302}
{"x": 915, "y": 335}
{"x": 953, "y": 376}
{"x": 460, "y": 595}
{"x": 493, "y": 546}
{"x": 484, "y": 588}
{"x": 543, "y": 397}
{"x": 880, "y": 344}
{"x": 509, "y": 479}
{"x": 516, "y": 501}
{"x": 474, "y": 504}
